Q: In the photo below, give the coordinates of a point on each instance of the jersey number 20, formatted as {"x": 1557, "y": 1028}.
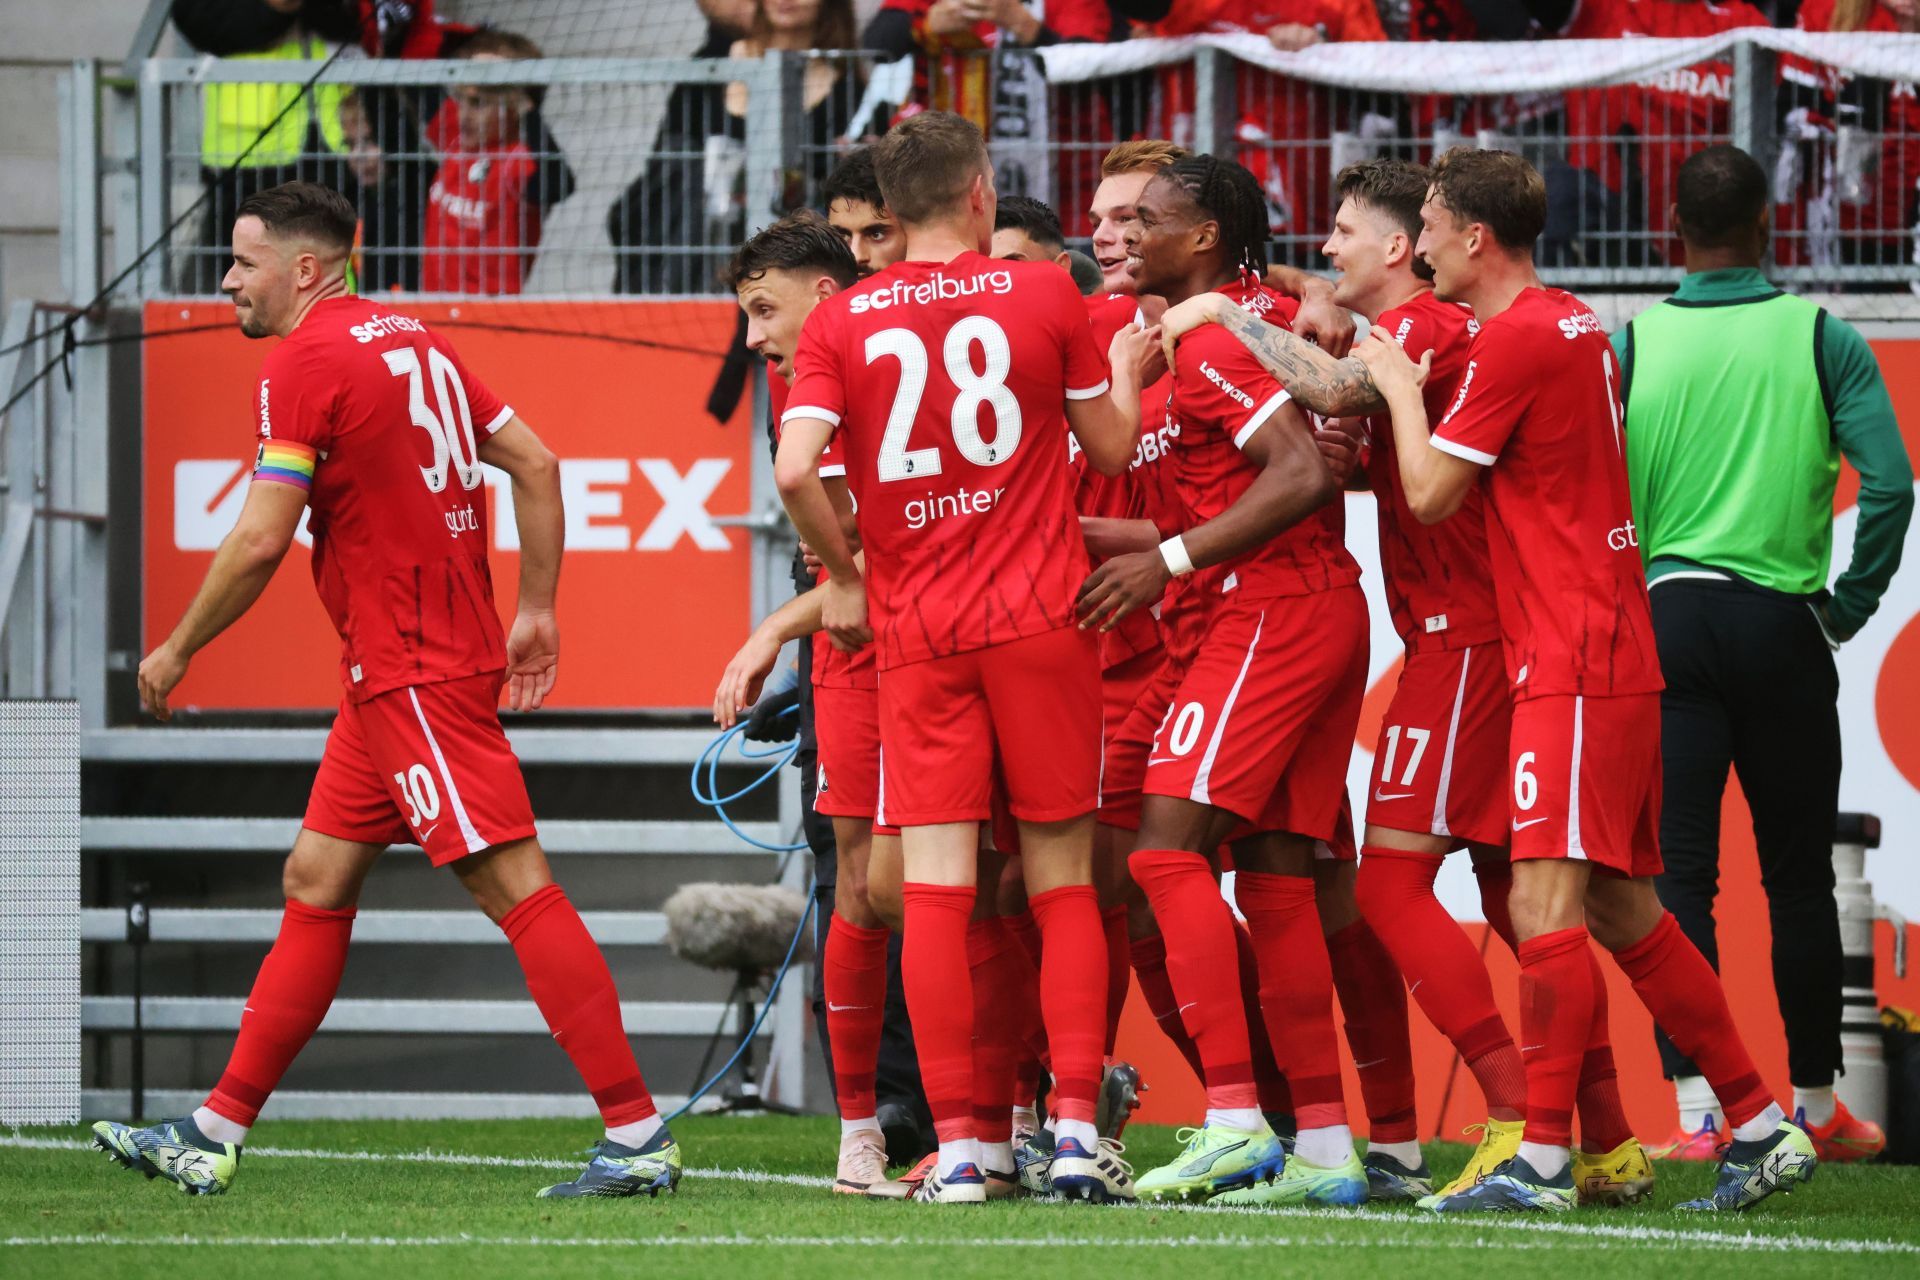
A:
{"x": 975, "y": 388}
{"x": 451, "y": 429}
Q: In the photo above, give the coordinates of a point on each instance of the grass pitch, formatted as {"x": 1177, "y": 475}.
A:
{"x": 456, "y": 1199}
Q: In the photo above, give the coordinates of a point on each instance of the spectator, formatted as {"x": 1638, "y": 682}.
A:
{"x": 950, "y": 35}
{"x": 256, "y": 136}
{"x": 1028, "y": 230}
{"x": 1867, "y": 190}
{"x": 673, "y": 226}
{"x": 387, "y": 183}
{"x": 493, "y": 190}
{"x": 1740, "y": 402}
{"x": 1274, "y": 114}
{"x": 405, "y": 29}
{"x": 1607, "y": 201}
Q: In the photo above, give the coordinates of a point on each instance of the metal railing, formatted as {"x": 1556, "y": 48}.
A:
{"x": 598, "y": 177}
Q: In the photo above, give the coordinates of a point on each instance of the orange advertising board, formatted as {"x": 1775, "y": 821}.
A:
{"x": 653, "y": 594}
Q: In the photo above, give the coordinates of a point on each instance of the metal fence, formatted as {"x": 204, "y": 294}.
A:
{"x": 589, "y": 177}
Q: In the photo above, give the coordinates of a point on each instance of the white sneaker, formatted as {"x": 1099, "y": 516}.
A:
{"x": 1099, "y": 1176}
{"x": 962, "y": 1184}
{"x": 863, "y": 1167}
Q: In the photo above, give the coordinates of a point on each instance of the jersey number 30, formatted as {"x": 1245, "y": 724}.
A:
{"x": 976, "y": 388}
{"x": 451, "y": 429}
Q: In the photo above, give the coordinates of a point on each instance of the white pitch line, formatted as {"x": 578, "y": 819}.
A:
{"x": 438, "y": 1157}
{"x": 1748, "y": 1240}
{"x": 1425, "y": 1225}
{"x": 750, "y": 1241}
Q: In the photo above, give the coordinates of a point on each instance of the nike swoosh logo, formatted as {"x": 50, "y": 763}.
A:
{"x": 1362, "y": 1066}
{"x": 1188, "y": 1005}
{"x": 1522, "y": 826}
{"x": 845, "y": 1008}
{"x": 429, "y": 831}
{"x": 1398, "y": 795}
{"x": 1529, "y": 1048}
{"x": 1154, "y": 760}
{"x": 1416, "y": 986}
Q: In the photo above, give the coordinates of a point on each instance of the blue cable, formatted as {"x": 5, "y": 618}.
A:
{"x": 706, "y": 779}
{"x": 706, "y": 790}
{"x": 766, "y": 1007}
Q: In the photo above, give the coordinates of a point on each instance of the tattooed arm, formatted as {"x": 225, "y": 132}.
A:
{"x": 1332, "y": 388}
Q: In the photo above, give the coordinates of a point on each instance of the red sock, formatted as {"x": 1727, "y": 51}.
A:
{"x": 853, "y": 973}
{"x": 1374, "y": 999}
{"x": 940, "y": 1001}
{"x": 1073, "y": 990}
{"x": 1269, "y": 1082}
{"x": 569, "y": 979}
{"x": 1445, "y": 974}
{"x": 1556, "y": 1014}
{"x": 1032, "y": 1061}
{"x": 1197, "y": 927}
{"x": 1603, "y": 1121}
{"x": 1027, "y": 930}
{"x": 996, "y": 1042}
{"x": 1496, "y": 887}
{"x": 1149, "y": 956}
{"x": 1296, "y": 991}
{"x": 290, "y": 996}
{"x": 1113, "y": 923}
{"x": 1684, "y": 995}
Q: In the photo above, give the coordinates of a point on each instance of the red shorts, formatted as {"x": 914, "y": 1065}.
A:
{"x": 1121, "y": 686}
{"x": 1343, "y": 847}
{"x": 1585, "y": 774}
{"x": 1263, "y": 723}
{"x": 1130, "y": 744}
{"x": 426, "y": 765}
{"x": 846, "y": 727}
{"x": 1441, "y": 761}
{"x": 1033, "y": 703}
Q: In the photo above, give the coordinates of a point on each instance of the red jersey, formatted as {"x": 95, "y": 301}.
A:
{"x": 480, "y": 227}
{"x": 1438, "y": 583}
{"x": 1539, "y": 407}
{"x": 1221, "y": 396}
{"x": 947, "y": 386}
{"x": 376, "y": 417}
{"x": 1116, "y": 497}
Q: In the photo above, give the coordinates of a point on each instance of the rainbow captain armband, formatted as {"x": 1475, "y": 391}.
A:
{"x": 284, "y": 462}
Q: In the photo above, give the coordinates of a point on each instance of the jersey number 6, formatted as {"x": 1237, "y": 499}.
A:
{"x": 988, "y": 386}
{"x": 452, "y": 435}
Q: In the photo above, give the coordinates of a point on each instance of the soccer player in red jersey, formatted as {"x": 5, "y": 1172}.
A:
{"x": 952, "y": 379}
{"x": 1535, "y": 427}
{"x": 1443, "y": 743}
{"x": 780, "y": 275}
{"x": 370, "y": 421}
{"x": 1257, "y": 738}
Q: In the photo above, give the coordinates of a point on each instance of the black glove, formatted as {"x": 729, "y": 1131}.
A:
{"x": 775, "y": 718}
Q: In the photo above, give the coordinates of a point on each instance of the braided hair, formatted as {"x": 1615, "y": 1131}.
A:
{"x": 1231, "y": 196}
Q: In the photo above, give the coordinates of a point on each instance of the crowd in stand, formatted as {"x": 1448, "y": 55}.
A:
{"x": 453, "y": 188}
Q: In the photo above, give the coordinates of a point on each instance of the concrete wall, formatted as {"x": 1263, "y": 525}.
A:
{"x": 37, "y": 42}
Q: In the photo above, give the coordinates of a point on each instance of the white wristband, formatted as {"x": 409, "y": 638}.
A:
{"x": 1174, "y": 552}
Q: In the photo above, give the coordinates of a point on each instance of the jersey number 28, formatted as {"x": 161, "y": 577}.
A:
{"x": 451, "y": 429}
{"x": 975, "y": 388}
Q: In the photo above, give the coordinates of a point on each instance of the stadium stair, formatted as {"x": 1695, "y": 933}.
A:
{"x": 433, "y": 1019}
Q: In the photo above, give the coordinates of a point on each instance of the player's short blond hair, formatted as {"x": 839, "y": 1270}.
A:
{"x": 1142, "y": 155}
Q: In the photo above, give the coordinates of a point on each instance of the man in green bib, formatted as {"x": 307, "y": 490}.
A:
{"x": 1740, "y": 402}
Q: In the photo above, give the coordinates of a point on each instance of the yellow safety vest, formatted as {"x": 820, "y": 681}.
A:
{"x": 233, "y": 115}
